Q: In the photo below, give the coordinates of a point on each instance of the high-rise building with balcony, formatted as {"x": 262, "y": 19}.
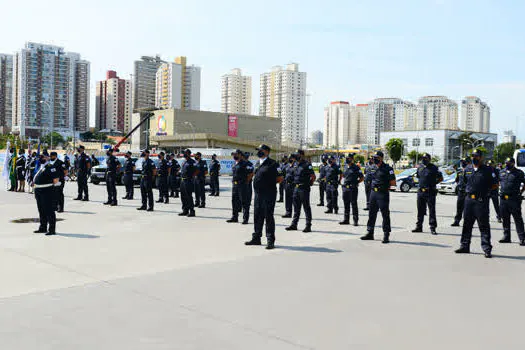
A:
{"x": 437, "y": 112}
{"x": 144, "y": 76}
{"x": 283, "y": 95}
{"x": 358, "y": 124}
{"x": 475, "y": 115}
{"x": 236, "y": 93}
{"x": 6, "y": 93}
{"x": 388, "y": 114}
{"x": 50, "y": 91}
{"x": 337, "y": 124}
{"x": 113, "y": 103}
{"x": 316, "y": 137}
{"x": 178, "y": 85}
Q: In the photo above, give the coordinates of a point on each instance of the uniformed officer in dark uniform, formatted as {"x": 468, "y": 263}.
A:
{"x": 215, "y": 169}
{"x": 112, "y": 169}
{"x": 264, "y": 184}
{"x": 240, "y": 182}
{"x": 511, "y": 192}
{"x": 20, "y": 168}
{"x": 83, "y": 169}
{"x": 333, "y": 173}
{"x": 94, "y": 160}
{"x": 494, "y": 194}
{"x": 461, "y": 184}
{"x": 174, "y": 177}
{"x": 429, "y": 176}
{"x": 304, "y": 177}
{"x": 31, "y": 168}
{"x": 188, "y": 172}
{"x": 249, "y": 187}
{"x": 287, "y": 172}
{"x": 129, "y": 168}
{"x": 163, "y": 171}
{"x": 352, "y": 176}
{"x": 282, "y": 165}
{"x": 200, "y": 181}
{"x": 370, "y": 169}
{"x": 382, "y": 180}
{"x": 479, "y": 184}
{"x": 322, "y": 179}
{"x": 62, "y": 171}
{"x": 46, "y": 179}
{"x": 149, "y": 171}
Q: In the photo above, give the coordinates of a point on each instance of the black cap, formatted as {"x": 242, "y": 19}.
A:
{"x": 350, "y": 155}
{"x": 81, "y": 147}
{"x": 477, "y": 152}
{"x": 292, "y": 155}
{"x": 379, "y": 154}
{"x": 45, "y": 154}
{"x": 214, "y": 155}
{"x": 162, "y": 154}
{"x": 146, "y": 151}
{"x": 246, "y": 155}
{"x": 187, "y": 150}
{"x": 300, "y": 151}
{"x": 490, "y": 162}
{"x": 263, "y": 147}
{"x": 198, "y": 154}
{"x": 53, "y": 154}
{"x": 510, "y": 160}
{"x": 427, "y": 155}
{"x": 332, "y": 157}
{"x": 129, "y": 153}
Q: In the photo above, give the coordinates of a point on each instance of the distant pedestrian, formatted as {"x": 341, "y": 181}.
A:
{"x": 146, "y": 182}
{"x": 200, "y": 180}
{"x": 461, "y": 183}
{"x": 322, "y": 179}
{"x": 352, "y": 177}
{"x": 333, "y": 173}
{"x": 512, "y": 186}
{"x": 46, "y": 179}
{"x": 188, "y": 172}
{"x": 62, "y": 173}
{"x": 215, "y": 170}
{"x": 304, "y": 178}
{"x": 83, "y": 165}
{"x": 163, "y": 170}
{"x": 129, "y": 169}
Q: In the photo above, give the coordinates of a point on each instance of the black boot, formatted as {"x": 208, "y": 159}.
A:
{"x": 433, "y": 231}
{"x": 232, "y": 220}
{"x": 329, "y": 211}
{"x": 462, "y": 250}
{"x": 307, "y": 229}
{"x": 107, "y": 203}
{"x": 254, "y": 241}
{"x": 270, "y": 246}
{"x": 191, "y": 213}
{"x": 505, "y": 240}
{"x": 291, "y": 228}
{"x": 345, "y": 222}
{"x": 386, "y": 238}
{"x": 368, "y": 237}
{"x": 522, "y": 242}
{"x": 455, "y": 224}
{"x": 286, "y": 216}
{"x": 77, "y": 199}
{"x": 320, "y": 205}
{"x": 141, "y": 208}
{"x": 417, "y": 229}
{"x": 184, "y": 213}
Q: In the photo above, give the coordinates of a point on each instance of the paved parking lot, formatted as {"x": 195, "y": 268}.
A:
{"x": 116, "y": 278}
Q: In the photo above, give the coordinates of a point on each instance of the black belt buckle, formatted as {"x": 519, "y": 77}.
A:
{"x": 505, "y": 197}
{"x": 424, "y": 190}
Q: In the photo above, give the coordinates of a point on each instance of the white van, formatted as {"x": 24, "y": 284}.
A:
{"x": 519, "y": 158}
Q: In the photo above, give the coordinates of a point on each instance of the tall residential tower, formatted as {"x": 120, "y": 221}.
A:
{"x": 236, "y": 93}
{"x": 437, "y": 112}
{"x": 178, "y": 85}
{"x": 475, "y": 115}
{"x": 113, "y": 103}
{"x": 144, "y": 77}
{"x": 6, "y": 93}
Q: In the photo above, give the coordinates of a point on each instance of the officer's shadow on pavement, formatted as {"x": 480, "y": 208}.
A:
{"x": 79, "y": 212}
{"x": 77, "y": 235}
{"x": 421, "y": 244}
{"x": 509, "y": 257}
{"x": 308, "y": 249}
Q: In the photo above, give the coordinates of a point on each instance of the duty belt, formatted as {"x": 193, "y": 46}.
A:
{"x": 379, "y": 189}
{"x": 43, "y": 186}
{"x": 300, "y": 185}
{"x": 507, "y": 196}
{"x": 475, "y": 196}
{"x": 349, "y": 186}
{"x": 20, "y": 166}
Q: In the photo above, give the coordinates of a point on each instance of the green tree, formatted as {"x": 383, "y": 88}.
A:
{"x": 502, "y": 151}
{"x": 518, "y": 146}
{"x": 466, "y": 140}
{"x": 394, "y": 148}
{"x": 414, "y": 156}
{"x": 359, "y": 159}
{"x": 58, "y": 139}
{"x": 435, "y": 159}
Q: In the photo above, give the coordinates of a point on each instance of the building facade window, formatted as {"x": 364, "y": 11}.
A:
{"x": 416, "y": 142}
{"x": 429, "y": 142}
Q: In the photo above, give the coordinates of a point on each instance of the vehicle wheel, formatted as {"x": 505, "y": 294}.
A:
{"x": 95, "y": 182}
{"x": 405, "y": 187}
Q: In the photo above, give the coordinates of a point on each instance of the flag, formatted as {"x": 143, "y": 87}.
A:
{"x": 5, "y": 170}
{"x": 12, "y": 176}
{"x": 37, "y": 163}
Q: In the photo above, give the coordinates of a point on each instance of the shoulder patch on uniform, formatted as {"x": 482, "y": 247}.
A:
{"x": 310, "y": 167}
{"x": 53, "y": 170}
{"x": 391, "y": 172}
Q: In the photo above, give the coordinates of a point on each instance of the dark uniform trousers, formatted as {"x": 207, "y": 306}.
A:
{"x": 331, "y": 196}
{"x": 508, "y": 207}
{"x": 282, "y": 186}
{"x": 186, "y": 190}
{"x": 379, "y": 201}
{"x": 146, "y": 192}
{"x": 59, "y": 196}
{"x": 200, "y": 194}
{"x": 301, "y": 198}
{"x": 368, "y": 189}
{"x": 111, "y": 187}
{"x": 163, "y": 188}
{"x": 82, "y": 178}
{"x": 264, "y": 206}
{"x": 128, "y": 182}
{"x": 460, "y": 205}
{"x": 476, "y": 210}
{"x": 426, "y": 198}
{"x": 322, "y": 190}
{"x": 241, "y": 201}
{"x": 288, "y": 197}
{"x": 46, "y": 210}
{"x": 350, "y": 194}
{"x": 174, "y": 185}
{"x": 214, "y": 183}
{"x": 494, "y": 196}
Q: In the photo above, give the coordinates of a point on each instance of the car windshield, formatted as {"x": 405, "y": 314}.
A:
{"x": 408, "y": 172}
{"x": 449, "y": 178}
{"x": 520, "y": 161}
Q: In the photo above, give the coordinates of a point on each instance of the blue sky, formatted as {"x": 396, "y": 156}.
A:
{"x": 351, "y": 50}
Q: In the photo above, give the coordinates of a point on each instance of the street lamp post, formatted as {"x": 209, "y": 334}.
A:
{"x": 51, "y": 119}
{"x": 192, "y": 130}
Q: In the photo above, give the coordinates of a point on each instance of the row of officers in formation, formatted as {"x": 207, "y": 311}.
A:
{"x": 290, "y": 181}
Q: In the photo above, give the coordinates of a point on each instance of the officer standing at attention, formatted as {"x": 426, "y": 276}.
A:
{"x": 461, "y": 184}
{"x": 162, "y": 178}
{"x": 288, "y": 174}
{"x": 146, "y": 182}
{"x": 304, "y": 177}
{"x": 282, "y": 165}
{"x": 174, "y": 177}
{"x": 494, "y": 194}
{"x": 129, "y": 168}
{"x": 200, "y": 181}
{"x": 83, "y": 169}
{"x": 249, "y": 186}
{"x": 239, "y": 187}
{"x": 332, "y": 182}
{"x": 62, "y": 171}
{"x": 511, "y": 192}
{"x": 45, "y": 180}
{"x": 322, "y": 179}
{"x": 264, "y": 184}
{"x": 188, "y": 172}
{"x": 370, "y": 169}
{"x": 352, "y": 178}
{"x": 382, "y": 179}
{"x": 480, "y": 182}
{"x": 113, "y": 166}
{"x": 429, "y": 176}
{"x": 94, "y": 160}
{"x": 20, "y": 167}
{"x": 215, "y": 169}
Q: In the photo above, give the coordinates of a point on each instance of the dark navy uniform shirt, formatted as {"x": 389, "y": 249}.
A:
{"x": 303, "y": 171}
{"x": 461, "y": 180}
{"x": 289, "y": 170}
{"x": 188, "y": 169}
{"x": 112, "y": 164}
{"x": 60, "y": 166}
{"x": 382, "y": 176}
{"x": 370, "y": 169}
{"x": 83, "y": 162}
{"x": 510, "y": 182}
{"x": 480, "y": 181}
{"x": 352, "y": 175}
{"x": 128, "y": 166}
{"x": 322, "y": 171}
{"x": 162, "y": 168}
{"x": 332, "y": 174}
{"x": 239, "y": 173}
{"x": 265, "y": 178}
{"x": 215, "y": 166}
{"x": 202, "y": 166}
{"x": 147, "y": 168}
{"x": 429, "y": 176}
{"x": 20, "y": 162}
{"x": 45, "y": 175}
{"x": 175, "y": 167}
